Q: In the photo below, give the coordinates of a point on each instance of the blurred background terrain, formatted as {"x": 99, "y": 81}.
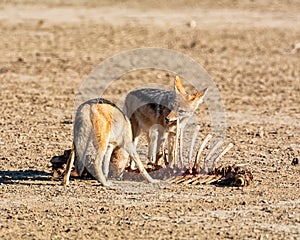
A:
{"x": 48, "y": 48}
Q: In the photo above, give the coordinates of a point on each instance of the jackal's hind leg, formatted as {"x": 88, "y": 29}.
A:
{"x": 156, "y": 138}
{"x": 132, "y": 163}
{"x": 98, "y": 168}
{"x": 136, "y": 131}
{"x": 161, "y": 157}
{"x": 107, "y": 158}
{"x": 152, "y": 147}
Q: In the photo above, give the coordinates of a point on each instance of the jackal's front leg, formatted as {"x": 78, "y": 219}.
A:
{"x": 175, "y": 146}
{"x": 180, "y": 139}
{"x": 171, "y": 150}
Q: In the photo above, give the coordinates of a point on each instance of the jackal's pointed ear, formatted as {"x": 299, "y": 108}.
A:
{"x": 199, "y": 96}
{"x": 178, "y": 86}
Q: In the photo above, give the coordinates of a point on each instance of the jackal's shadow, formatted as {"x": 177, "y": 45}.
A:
{"x": 13, "y": 177}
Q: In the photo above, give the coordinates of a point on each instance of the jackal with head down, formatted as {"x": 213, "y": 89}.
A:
{"x": 100, "y": 128}
{"x": 162, "y": 115}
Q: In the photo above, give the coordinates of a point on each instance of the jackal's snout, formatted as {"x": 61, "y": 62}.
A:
{"x": 171, "y": 118}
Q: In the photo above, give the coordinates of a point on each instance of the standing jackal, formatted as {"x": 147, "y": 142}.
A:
{"x": 162, "y": 114}
{"x": 101, "y": 127}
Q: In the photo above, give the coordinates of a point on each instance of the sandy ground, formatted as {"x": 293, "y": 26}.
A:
{"x": 48, "y": 48}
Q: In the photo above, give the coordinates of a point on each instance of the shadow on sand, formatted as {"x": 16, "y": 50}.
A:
{"x": 13, "y": 177}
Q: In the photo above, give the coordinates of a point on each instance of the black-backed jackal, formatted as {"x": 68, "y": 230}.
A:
{"x": 101, "y": 127}
{"x": 162, "y": 114}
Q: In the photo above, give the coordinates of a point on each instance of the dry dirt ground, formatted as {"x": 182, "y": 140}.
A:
{"x": 48, "y": 48}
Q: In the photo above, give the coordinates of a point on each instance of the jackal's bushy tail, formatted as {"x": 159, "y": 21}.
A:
{"x": 83, "y": 136}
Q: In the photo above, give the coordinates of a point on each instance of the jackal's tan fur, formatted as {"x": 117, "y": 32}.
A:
{"x": 100, "y": 127}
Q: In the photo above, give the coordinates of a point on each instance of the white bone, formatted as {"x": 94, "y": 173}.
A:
{"x": 208, "y": 159}
{"x": 223, "y": 153}
{"x": 200, "y": 150}
{"x": 195, "y": 135}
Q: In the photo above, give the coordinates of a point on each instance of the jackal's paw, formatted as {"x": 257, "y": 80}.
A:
{"x": 107, "y": 184}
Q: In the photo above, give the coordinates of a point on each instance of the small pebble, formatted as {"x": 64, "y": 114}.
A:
{"x": 295, "y": 161}
{"x": 192, "y": 24}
